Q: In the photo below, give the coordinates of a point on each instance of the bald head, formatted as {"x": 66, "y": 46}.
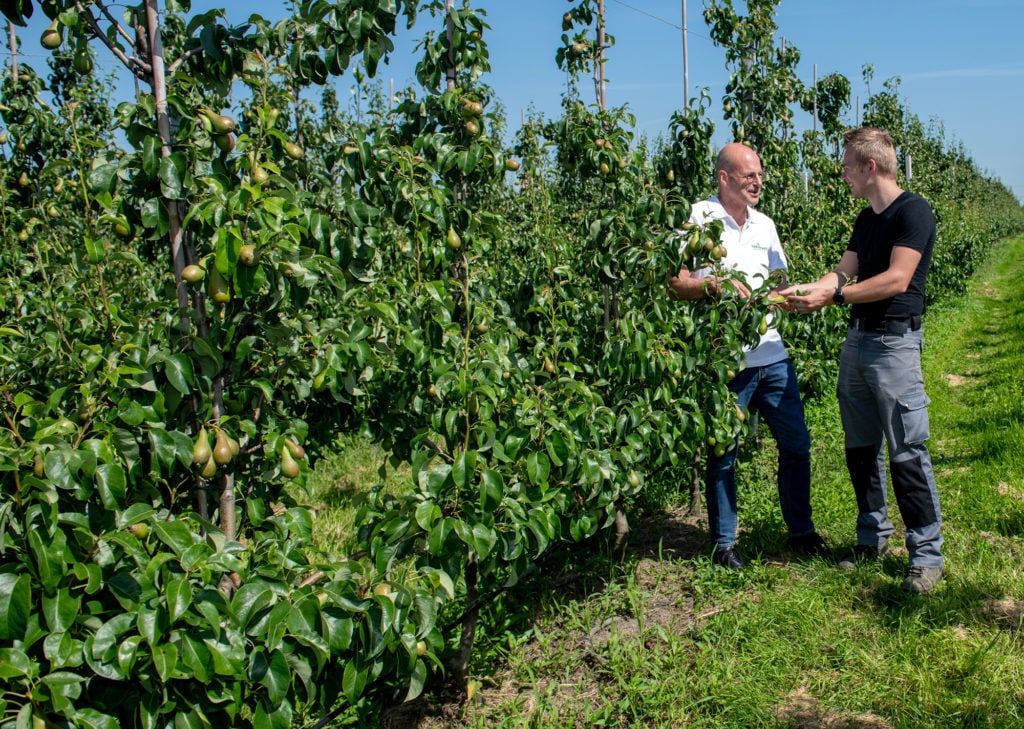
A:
{"x": 734, "y": 155}
{"x": 740, "y": 177}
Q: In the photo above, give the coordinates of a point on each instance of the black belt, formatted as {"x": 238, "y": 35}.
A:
{"x": 886, "y": 326}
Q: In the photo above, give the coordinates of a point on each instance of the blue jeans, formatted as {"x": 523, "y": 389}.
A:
{"x": 882, "y": 398}
{"x": 774, "y": 392}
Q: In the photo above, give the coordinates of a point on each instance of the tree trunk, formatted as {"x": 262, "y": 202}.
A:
{"x": 180, "y": 254}
{"x": 459, "y": 664}
{"x": 621, "y": 531}
{"x": 695, "y": 480}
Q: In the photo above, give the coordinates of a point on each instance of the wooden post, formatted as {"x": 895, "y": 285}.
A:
{"x": 686, "y": 65}
{"x": 12, "y": 41}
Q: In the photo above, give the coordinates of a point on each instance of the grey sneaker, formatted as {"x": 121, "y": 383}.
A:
{"x": 859, "y": 554}
{"x": 923, "y": 579}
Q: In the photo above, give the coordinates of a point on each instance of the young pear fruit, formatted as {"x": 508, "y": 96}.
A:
{"x": 201, "y": 452}
{"x": 454, "y": 241}
{"x": 221, "y": 449}
{"x": 82, "y": 62}
{"x": 247, "y": 255}
{"x": 295, "y": 449}
{"x": 222, "y": 124}
{"x": 224, "y": 142}
{"x": 289, "y": 466}
{"x": 217, "y": 287}
{"x": 52, "y": 37}
{"x": 209, "y": 469}
{"x": 193, "y": 273}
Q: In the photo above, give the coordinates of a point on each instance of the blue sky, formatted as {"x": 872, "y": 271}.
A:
{"x": 957, "y": 60}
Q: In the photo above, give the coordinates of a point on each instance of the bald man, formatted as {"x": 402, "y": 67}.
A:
{"x": 767, "y": 382}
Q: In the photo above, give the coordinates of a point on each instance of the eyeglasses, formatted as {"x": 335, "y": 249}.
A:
{"x": 749, "y": 177}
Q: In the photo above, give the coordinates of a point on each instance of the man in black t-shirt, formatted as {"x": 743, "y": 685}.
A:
{"x": 881, "y": 388}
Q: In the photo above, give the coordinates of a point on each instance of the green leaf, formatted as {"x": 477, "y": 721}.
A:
{"x": 106, "y": 637}
{"x": 196, "y": 656}
{"x": 14, "y": 663}
{"x": 172, "y": 170}
{"x": 249, "y": 602}
{"x": 152, "y": 621}
{"x": 95, "y": 250}
{"x": 439, "y": 535}
{"x": 273, "y": 716}
{"x": 557, "y": 448}
{"x": 48, "y": 556}
{"x": 178, "y": 594}
{"x": 174, "y": 534}
{"x": 538, "y": 468}
{"x": 191, "y": 719}
{"x": 127, "y": 651}
{"x": 102, "y": 176}
{"x": 276, "y": 676}
{"x": 134, "y": 514}
{"x": 60, "y": 610}
{"x": 165, "y": 660}
{"x": 426, "y": 514}
{"x": 417, "y": 680}
{"x": 353, "y": 680}
{"x": 462, "y": 469}
{"x": 151, "y": 153}
{"x": 65, "y": 687}
{"x": 483, "y": 540}
{"x": 93, "y": 719}
{"x": 492, "y": 490}
{"x": 15, "y": 602}
{"x": 62, "y": 650}
{"x": 170, "y": 446}
{"x": 112, "y": 484}
{"x": 178, "y": 368}
{"x": 339, "y": 629}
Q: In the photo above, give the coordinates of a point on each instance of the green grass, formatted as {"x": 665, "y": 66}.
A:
{"x": 337, "y": 483}
{"x": 665, "y": 639}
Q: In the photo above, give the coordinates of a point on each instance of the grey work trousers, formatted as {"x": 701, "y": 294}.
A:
{"x": 882, "y": 399}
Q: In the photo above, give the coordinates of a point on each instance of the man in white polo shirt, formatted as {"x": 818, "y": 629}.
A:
{"x": 767, "y": 381}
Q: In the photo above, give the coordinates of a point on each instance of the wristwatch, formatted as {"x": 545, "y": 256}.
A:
{"x": 838, "y": 297}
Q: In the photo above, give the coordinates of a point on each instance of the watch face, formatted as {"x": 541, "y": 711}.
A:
{"x": 838, "y": 297}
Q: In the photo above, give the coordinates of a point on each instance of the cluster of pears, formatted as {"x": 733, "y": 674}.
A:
{"x": 472, "y": 112}
{"x": 53, "y": 38}
{"x": 208, "y": 459}
{"x": 220, "y": 126}
{"x": 699, "y": 240}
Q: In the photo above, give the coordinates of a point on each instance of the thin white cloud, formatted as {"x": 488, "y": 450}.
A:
{"x": 965, "y": 73}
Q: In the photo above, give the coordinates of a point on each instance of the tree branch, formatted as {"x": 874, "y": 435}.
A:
{"x": 139, "y": 68}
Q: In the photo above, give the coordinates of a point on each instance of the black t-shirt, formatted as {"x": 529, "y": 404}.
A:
{"x": 909, "y": 222}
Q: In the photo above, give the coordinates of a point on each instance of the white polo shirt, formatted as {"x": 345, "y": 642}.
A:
{"x": 754, "y": 250}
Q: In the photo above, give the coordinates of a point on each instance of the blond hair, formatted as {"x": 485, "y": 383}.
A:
{"x": 868, "y": 143}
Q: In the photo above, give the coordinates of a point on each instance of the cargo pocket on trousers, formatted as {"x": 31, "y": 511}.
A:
{"x": 914, "y": 417}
